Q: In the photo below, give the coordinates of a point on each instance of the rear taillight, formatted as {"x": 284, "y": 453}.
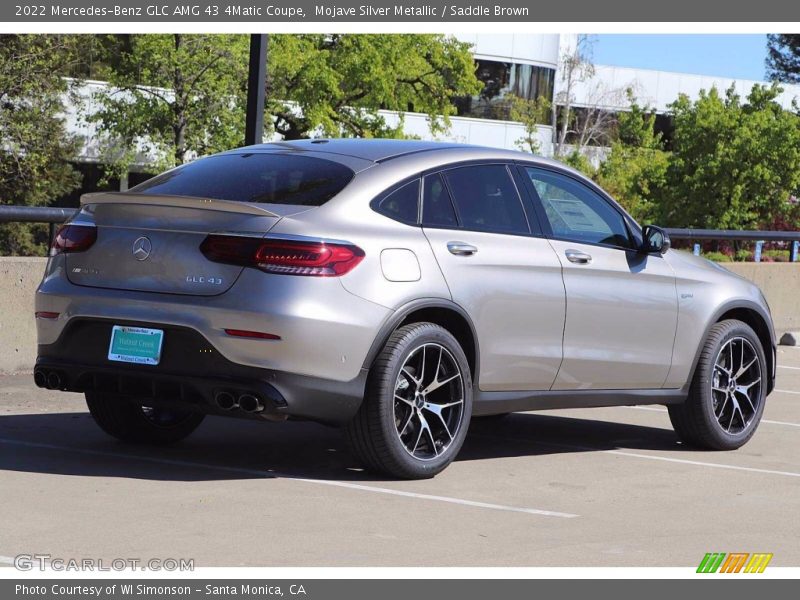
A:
{"x": 73, "y": 238}
{"x": 287, "y": 257}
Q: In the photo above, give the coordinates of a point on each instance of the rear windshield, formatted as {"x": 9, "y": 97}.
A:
{"x": 254, "y": 177}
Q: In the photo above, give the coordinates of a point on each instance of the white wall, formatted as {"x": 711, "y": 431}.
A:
{"x": 481, "y": 132}
{"x": 534, "y": 49}
{"x": 658, "y": 89}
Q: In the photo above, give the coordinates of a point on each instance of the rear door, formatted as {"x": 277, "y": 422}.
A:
{"x": 500, "y": 270}
{"x": 622, "y": 305}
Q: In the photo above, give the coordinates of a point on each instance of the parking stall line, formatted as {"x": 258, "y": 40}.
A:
{"x": 276, "y": 475}
{"x": 703, "y": 464}
{"x": 683, "y": 461}
{"x": 788, "y": 392}
{"x": 788, "y": 367}
{"x": 769, "y": 421}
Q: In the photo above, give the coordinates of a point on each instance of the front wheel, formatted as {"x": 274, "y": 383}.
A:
{"x": 131, "y": 422}
{"x": 727, "y": 395}
{"x": 417, "y": 406}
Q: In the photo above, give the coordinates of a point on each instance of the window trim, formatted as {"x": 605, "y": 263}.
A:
{"x": 547, "y": 230}
{"x": 443, "y": 179}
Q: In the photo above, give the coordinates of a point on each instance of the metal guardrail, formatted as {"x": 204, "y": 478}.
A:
{"x": 36, "y": 214}
{"x": 759, "y": 237}
{"x": 53, "y": 216}
{"x": 733, "y": 234}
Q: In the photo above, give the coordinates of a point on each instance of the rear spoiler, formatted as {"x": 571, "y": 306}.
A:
{"x": 177, "y": 201}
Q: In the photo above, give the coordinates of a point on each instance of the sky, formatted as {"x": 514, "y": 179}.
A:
{"x": 735, "y": 56}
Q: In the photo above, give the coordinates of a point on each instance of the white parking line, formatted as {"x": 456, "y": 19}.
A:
{"x": 645, "y": 456}
{"x": 788, "y": 392}
{"x": 771, "y": 422}
{"x": 787, "y": 367}
{"x": 276, "y": 475}
{"x": 703, "y": 464}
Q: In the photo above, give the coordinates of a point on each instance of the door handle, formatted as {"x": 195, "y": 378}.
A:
{"x": 461, "y": 248}
{"x": 576, "y": 256}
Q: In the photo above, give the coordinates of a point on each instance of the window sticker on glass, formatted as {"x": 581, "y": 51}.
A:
{"x": 577, "y": 216}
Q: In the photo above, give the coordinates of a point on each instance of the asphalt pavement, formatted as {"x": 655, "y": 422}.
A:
{"x": 589, "y": 487}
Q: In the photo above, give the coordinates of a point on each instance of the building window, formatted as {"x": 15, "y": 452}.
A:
{"x": 500, "y": 80}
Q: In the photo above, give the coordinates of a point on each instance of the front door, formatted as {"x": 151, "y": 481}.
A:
{"x": 622, "y": 305}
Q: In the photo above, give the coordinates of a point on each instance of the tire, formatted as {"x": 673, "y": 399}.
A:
{"x": 709, "y": 417}
{"x": 133, "y": 423}
{"x": 387, "y": 434}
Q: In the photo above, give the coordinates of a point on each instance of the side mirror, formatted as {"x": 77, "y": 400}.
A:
{"x": 655, "y": 240}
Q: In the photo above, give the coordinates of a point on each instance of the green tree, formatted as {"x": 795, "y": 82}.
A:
{"x": 335, "y": 84}
{"x": 783, "y": 57}
{"x": 634, "y": 172}
{"x": 35, "y": 148}
{"x": 172, "y": 96}
{"x": 530, "y": 113}
{"x": 734, "y": 164}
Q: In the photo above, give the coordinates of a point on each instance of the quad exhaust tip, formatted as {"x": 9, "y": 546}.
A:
{"x": 250, "y": 404}
{"x": 54, "y": 380}
{"x": 51, "y": 380}
{"x": 40, "y": 378}
{"x": 226, "y": 401}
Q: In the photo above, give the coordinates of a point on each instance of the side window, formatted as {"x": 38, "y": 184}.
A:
{"x": 402, "y": 204}
{"x": 486, "y": 199}
{"x": 437, "y": 208}
{"x": 577, "y": 213}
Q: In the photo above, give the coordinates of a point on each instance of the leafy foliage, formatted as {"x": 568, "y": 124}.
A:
{"x": 734, "y": 164}
{"x": 336, "y": 84}
{"x": 783, "y": 57}
{"x": 35, "y": 149}
{"x": 530, "y": 113}
{"x": 635, "y": 170}
{"x": 173, "y": 96}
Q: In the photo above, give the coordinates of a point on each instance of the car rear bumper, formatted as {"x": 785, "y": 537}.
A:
{"x": 192, "y": 374}
{"x": 324, "y": 331}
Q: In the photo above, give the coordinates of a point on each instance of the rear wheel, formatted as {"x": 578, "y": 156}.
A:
{"x": 727, "y": 395}
{"x": 418, "y": 404}
{"x": 132, "y": 422}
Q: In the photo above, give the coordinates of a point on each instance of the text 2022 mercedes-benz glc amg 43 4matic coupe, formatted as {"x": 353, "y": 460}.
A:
{"x": 397, "y": 288}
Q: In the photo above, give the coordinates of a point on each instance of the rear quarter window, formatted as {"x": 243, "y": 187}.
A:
{"x": 402, "y": 204}
{"x": 254, "y": 177}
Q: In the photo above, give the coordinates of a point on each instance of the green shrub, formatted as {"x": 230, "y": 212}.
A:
{"x": 718, "y": 256}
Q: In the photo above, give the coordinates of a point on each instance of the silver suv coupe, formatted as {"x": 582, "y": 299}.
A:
{"x": 397, "y": 288}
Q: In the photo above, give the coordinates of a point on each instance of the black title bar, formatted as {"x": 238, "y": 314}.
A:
{"x": 310, "y": 11}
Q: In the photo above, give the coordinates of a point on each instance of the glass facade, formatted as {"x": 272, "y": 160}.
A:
{"x": 500, "y": 80}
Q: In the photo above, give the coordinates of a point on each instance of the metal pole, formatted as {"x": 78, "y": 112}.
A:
{"x": 757, "y": 253}
{"x": 256, "y": 80}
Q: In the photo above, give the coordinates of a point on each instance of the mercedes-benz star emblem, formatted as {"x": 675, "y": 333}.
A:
{"x": 142, "y": 248}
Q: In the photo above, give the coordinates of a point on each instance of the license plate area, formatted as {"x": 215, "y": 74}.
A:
{"x": 138, "y": 345}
